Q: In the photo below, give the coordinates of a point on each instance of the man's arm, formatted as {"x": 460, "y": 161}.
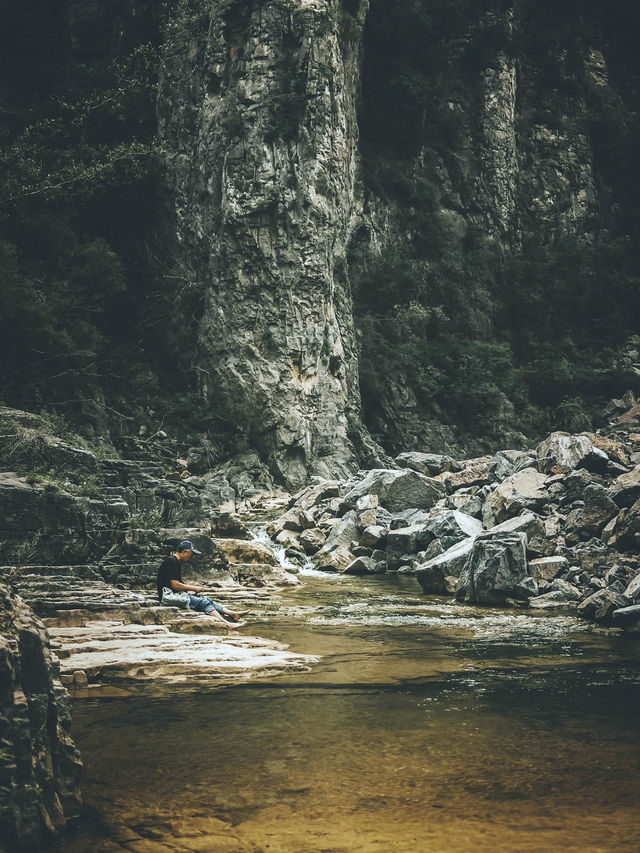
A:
{"x": 178, "y": 586}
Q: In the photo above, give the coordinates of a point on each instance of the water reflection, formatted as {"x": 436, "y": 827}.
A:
{"x": 426, "y": 726}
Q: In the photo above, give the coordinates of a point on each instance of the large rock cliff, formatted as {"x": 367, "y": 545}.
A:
{"x": 399, "y": 200}
{"x": 421, "y": 215}
{"x": 258, "y": 110}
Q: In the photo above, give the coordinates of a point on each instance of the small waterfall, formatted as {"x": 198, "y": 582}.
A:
{"x": 258, "y": 532}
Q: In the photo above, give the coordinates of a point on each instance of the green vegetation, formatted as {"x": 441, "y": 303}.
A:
{"x": 78, "y": 201}
{"x": 465, "y": 320}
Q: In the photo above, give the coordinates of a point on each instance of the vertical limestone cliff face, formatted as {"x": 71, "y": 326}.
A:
{"x": 487, "y": 135}
{"x": 363, "y": 196}
{"x": 39, "y": 763}
{"x": 258, "y": 112}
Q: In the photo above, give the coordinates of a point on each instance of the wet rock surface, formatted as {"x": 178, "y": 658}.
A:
{"x": 40, "y": 768}
{"x": 568, "y": 542}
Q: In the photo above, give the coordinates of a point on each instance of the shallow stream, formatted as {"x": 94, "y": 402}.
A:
{"x": 425, "y": 726}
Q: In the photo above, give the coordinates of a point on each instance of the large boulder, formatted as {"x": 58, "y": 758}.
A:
{"x": 430, "y": 464}
{"x": 477, "y": 472}
{"x": 552, "y": 600}
{"x": 546, "y": 568}
{"x": 312, "y": 540}
{"x": 623, "y": 532}
{"x": 374, "y": 536}
{"x": 562, "y": 452}
{"x": 632, "y": 591}
{"x": 314, "y": 494}
{"x": 493, "y": 570}
{"x": 396, "y": 490}
{"x": 432, "y": 573}
{"x": 627, "y": 617}
{"x": 336, "y": 553}
{"x": 362, "y": 566}
{"x": 448, "y": 526}
{"x": 521, "y": 491}
{"x": 601, "y": 605}
{"x": 406, "y": 540}
{"x": 508, "y": 462}
{"x": 626, "y": 488}
{"x": 532, "y": 525}
{"x": 598, "y": 509}
{"x": 243, "y": 551}
{"x": 452, "y": 526}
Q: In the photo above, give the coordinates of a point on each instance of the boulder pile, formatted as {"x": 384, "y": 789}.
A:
{"x": 557, "y": 526}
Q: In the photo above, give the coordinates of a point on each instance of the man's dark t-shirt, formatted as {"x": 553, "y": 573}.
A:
{"x": 170, "y": 570}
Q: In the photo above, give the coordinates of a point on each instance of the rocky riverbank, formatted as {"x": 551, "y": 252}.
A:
{"x": 557, "y": 526}
{"x": 83, "y": 529}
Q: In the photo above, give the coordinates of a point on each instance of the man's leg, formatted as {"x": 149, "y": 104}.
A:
{"x": 236, "y": 615}
{"x": 231, "y": 626}
{"x": 213, "y": 609}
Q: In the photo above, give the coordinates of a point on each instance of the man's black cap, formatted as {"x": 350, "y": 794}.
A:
{"x": 187, "y": 545}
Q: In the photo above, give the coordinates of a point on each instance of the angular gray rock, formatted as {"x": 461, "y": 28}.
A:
{"x": 525, "y": 589}
{"x": 430, "y": 464}
{"x": 431, "y": 578}
{"x": 567, "y": 589}
{"x": 507, "y": 462}
{"x": 530, "y": 524}
{"x": 452, "y": 526}
{"x": 361, "y": 566}
{"x": 494, "y": 568}
{"x": 626, "y": 488}
{"x": 312, "y": 540}
{"x": 524, "y": 490}
{"x": 633, "y": 590}
{"x": 476, "y": 472}
{"x": 336, "y": 553}
{"x": 623, "y": 532}
{"x": 449, "y": 563}
{"x": 406, "y": 540}
{"x": 627, "y": 617}
{"x": 396, "y": 490}
{"x": 546, "y": 568}
{"x": 374, "y": 536}
{"x": 601, "y": 605}
{"x": 552, "y": 600}
{"x": 562, "y": 452}
{"x": 598, "y": 508}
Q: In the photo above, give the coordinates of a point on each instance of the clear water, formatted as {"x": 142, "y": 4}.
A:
{"x": 426, "y": 726}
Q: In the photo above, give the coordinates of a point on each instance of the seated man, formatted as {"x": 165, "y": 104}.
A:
{"x": 170, "y": 575}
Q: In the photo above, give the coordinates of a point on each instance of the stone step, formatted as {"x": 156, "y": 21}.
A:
{"x": 19, "y": 573}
